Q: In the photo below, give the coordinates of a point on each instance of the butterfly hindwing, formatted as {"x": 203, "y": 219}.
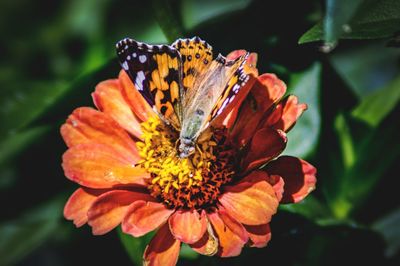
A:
{"x": 237, "y": 78}
{"x": 156, "y": 71}
{"x": 212, "y": 92}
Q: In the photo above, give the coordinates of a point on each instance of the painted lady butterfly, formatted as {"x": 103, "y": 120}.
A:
{"x": 183, "y": 83}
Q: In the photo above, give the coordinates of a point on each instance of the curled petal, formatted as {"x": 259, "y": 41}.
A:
{"x": 79, "y": 203}
{"x": 108, "y": 99}
{"x": 286, "y": 114}
{"x": 259, "y": 235}
{"x": 86, "y": 125}
{"x": 208, "y": 244}
{"x": 163, "y": 249}
{"x": 267, "y": 90}
{"x": 230, "y": 244}
{"x": 107, "y": 211}
{"x": 277, "y": 184}
{"x": 298, "y": 175}
{"x": 266, "y": 144}
{"x": 235, "y": 54}
{"x": 100, "y": 166}
{"x": 250, "y": 202}
{"x": 143, "y": 217}
{"x": 137, "y": 103}
{"x": 251, "y": 60}
{"x": 188, "y": 226}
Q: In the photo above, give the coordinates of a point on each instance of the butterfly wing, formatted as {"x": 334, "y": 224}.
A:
{"x": 196, "y": 57}
{"x": 236, "y": 78}
{"x": 211, "y": 94}
{"x": 156, "y": 71}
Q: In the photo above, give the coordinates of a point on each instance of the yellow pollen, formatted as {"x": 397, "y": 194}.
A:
{"x": 190, "y": 182}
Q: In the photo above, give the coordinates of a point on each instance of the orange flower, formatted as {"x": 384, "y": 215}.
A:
{"x": 217, "y": 201}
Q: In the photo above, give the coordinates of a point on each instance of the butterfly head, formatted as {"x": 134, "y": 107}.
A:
{"x": 186, "y": 147}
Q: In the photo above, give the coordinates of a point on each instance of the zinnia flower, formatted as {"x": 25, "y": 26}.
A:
{"x": 221, "y": 198}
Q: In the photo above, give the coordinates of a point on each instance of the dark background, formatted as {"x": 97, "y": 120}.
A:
{"x": 346, "y": 68}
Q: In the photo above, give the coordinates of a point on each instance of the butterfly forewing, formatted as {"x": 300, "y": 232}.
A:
{"x": 196, "y": 57}
{"x": 156, "y": 71}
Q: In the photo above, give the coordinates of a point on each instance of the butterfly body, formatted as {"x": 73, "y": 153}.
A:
{"x": 183, "y": 83}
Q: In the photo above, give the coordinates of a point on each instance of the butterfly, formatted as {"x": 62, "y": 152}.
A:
{"x": 183, "y": 82}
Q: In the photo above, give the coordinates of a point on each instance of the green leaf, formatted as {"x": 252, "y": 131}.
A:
{"x": 195, "y": 12}
{"x": 27, "y": 104}
{"x": 389, "y": 227}
{"x": 373, "y": 19}
{"x": 359, "y": 178}
{"x": 135, "y": 246}
{"x": 338, "y": 14}
{"x": 374, "y": 107}
{"x": 316, "y": 33}
{"x": 364, "y": 69}
{"x": 188, "y": 253}
{"x": 310, "y": 208}
{"x": 167, "y": 20}
{"x": 345, "y": 141}
{"x": 303, "y": 138}
{"x": 22, "y": 236}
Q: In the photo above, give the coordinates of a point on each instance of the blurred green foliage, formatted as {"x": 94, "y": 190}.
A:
{"x": 339, "y": 57}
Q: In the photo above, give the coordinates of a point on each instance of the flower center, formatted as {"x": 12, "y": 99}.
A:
{"x": 192, "y": 182}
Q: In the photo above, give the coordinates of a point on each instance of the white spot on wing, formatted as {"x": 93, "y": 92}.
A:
{"x": 125, "y": 65}
{"x": 142, "y": 58}
{"x": 134, "y": 55}
{"x": 139, "y": 80}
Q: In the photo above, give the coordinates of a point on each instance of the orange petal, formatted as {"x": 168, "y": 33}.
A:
{"x": 79, "y": 203}
{"x": 135, "y": 100}
{"x": 299, "y": 177}
{"x": 252, "y": 59}
{"x": 143, "y": 217}
{"x": 277, "y": 184}
{"x": 286, "y": 114}
{"x": 230, "y": 244}
{"x": 188, "y": 226}
{"x": 163, "y": 249}
{"x": 100, "y": 166}
{"x": 260, "y": 235}
{"x": 107, "y": 211}
{"x": 236, "y": 227}
{"x": 108, "y": 99}
{"x": 86, "y": 125}
{"x": 208, "y": 244}
{"x": 250, "y": 202}
{"x": 267, "y": 90}
{"x": 266, "y": 144}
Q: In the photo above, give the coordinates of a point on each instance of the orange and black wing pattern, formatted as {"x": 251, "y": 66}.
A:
{"x": 156, "y": 71}
{"x": 196, "y": 57}
{"x": 236, "y": 78}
